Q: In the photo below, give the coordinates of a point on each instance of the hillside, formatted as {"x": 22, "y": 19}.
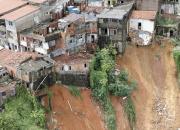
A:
{"x": 156, "y": 98}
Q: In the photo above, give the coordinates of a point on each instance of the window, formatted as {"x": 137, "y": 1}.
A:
{"x": 114, "y": 20}
{"x": 105, "y": 20}
{"x": 10, "y": 23}
{"x": 71, "y": 41}
{"x": 139, "y": 26}
{"x": 104, "y": 31}
{"x": 3, "y": 93}
{"x": 85, "y": 65}
{"x": 69, "y": 67}
{"x": 109, "y": 2}
{"x": 113, "y": 31}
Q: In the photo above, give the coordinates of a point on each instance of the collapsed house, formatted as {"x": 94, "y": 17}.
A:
{"x": 142, "y": 26}
{"x": 113, "y": 26}
{"x": 7, "y": 86}
{"x": 29, "y": 68}
{"x": 6, "y": 90}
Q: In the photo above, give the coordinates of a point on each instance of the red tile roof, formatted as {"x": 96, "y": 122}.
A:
{"x": 147, "y": 15}
{"x": 12, "y": 58}
{"x": 8, "y": 5}
{"x": 19, "y": 13}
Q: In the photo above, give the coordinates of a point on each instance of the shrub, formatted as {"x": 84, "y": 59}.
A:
{"x": 104, "y": 81}
{"x": 74, "y": 91}
{"x": 22, "y": 112}
{"x": 130, "y": 111}
{"x": 122, "y": 86}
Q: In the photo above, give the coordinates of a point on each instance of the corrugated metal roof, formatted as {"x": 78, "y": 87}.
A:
{"x": 116, "y": 12}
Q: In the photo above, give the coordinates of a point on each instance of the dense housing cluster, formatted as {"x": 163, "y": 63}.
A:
{"x": 41, "y": 37}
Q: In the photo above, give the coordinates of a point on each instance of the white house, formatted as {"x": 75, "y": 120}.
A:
{"x": 142, "y": 25}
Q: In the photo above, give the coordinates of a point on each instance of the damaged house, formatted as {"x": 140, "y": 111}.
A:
{"x": 35, "y": 70}
{"x": 168, "y": 26}
{"x": 113, "y": 26}
{"x": 6, "y": 90}
{"x": 142, "y": 26}
{"x": 170, "y": 7}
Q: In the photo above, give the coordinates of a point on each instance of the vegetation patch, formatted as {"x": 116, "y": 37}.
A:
{"x": 101, "y": 65}
{"x": 74, "y": 91}
{"x": 176, "y": 54}
{"x": 22, "y": 112}
{"x": 104, "y": 81}
{"x": 130, "y": 111}
{"x": 175, "y": 41}
{"x": 162, "y": 21}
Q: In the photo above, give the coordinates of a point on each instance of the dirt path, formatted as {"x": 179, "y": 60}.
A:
{"x": 157, "y": 97}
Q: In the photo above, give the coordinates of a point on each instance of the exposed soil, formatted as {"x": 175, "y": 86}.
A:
{"x": 74, "y": 113}
{"x": 157, "y": 97}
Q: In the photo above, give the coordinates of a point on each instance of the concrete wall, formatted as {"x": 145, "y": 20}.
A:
{"x": 74, "y": 78}
{"x": 146, "y": 25}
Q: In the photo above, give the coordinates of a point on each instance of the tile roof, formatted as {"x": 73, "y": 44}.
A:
{"x": 8, "y": 5}
{"x": 38, "y": 1}
{"x": 10, "y": 58}
{"x": 19, "y": 13}
{"x": 147, "y": 15}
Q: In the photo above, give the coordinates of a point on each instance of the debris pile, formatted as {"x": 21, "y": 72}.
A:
{"x": 163, "y": 119}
